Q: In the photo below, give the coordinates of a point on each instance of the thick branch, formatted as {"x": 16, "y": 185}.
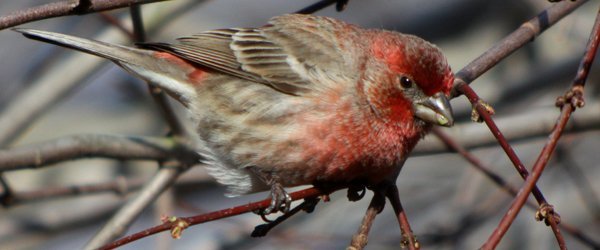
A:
{"x": 84, "y": 146}
{"x": 511, "y": 43}
{"x": 572, "y": 99}
{"x": 65, "y": 8}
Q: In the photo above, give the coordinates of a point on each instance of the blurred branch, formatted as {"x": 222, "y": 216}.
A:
{"x": 517, "y": 39}
{"x": 159, "y": 96}
{"x": 339, "y": 6}
{"x": 120, "y": 186}
{"x": 65, "y": 8}
{"x": 472, "y": 135}
{"x": 165, "y": 177}
{"x": 119, "y": 222}
{"x": 115, "y": 22}
{"x": 84, "y": 146}
{"x": 62, "y": 79}
{"x": 582, "y": 183}
{"x": 568, "y": 103}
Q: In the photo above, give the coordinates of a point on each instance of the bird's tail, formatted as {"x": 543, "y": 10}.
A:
{"x": 141, "y": 62}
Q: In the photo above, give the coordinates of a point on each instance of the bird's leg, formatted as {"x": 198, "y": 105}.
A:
{"x": 280, "y": 199}
{"x": 356, "y": 191}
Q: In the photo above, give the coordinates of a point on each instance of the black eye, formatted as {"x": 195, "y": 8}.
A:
{"x": 405, "y": 82}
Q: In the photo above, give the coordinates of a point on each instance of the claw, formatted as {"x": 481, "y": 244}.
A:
{"x": 281, "y": 201}
{"x": 356, "y": 192}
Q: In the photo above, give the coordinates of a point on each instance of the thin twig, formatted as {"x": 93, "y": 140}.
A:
{"x": 8, "y": 195}
{"x": 159, "y": 96}
{"x": 510, "y": 152}
{"x": 498, "y": 180}
{"x": 572, "y": 99}
{"x": 216, "y": 215}
{"x": 408, "y": 238}
{"x": 361, "y": 237}
{"x": 486, "y": 116}
{"x": 108, "y": 18}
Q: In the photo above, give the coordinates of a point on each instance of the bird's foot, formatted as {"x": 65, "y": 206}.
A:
{"x": 356, "y": 191}
{"x": 280, "y": 199}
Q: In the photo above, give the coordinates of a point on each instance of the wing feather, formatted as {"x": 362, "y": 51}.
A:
{"x": 289, "y": 54}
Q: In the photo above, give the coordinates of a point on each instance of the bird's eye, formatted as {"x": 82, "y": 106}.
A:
{"x": 405, "y": 82}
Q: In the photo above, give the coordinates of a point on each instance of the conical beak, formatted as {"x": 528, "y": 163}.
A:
{"x": 435, "y": 109}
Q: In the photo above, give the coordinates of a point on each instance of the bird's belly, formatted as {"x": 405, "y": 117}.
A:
{"x": 297, "y": 139}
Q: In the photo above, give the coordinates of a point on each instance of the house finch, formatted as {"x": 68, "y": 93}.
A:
{"x": 302, "y": 100}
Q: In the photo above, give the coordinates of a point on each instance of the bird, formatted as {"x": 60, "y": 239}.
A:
{"x": 301, "y": 100}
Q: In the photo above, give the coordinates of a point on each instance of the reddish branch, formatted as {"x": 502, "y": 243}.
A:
{"x": 484, "y": 113}
{"x": 486, "y": 116}
{"x": 360, "y": 239}
{"x": 408, "y": 238}
{"x": 175, "y": 224}
{"x": 498, "y": 180}
{"x": 573, "y": 99}
{"x": 505, "y": 47}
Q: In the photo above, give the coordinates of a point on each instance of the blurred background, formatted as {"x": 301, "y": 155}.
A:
{"x": 450, "y": 204}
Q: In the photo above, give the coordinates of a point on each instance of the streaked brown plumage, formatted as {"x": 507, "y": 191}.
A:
{"x": 304, "y": 99}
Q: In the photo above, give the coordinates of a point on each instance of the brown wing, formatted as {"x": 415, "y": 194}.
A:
{"x": 288, "y": 54}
